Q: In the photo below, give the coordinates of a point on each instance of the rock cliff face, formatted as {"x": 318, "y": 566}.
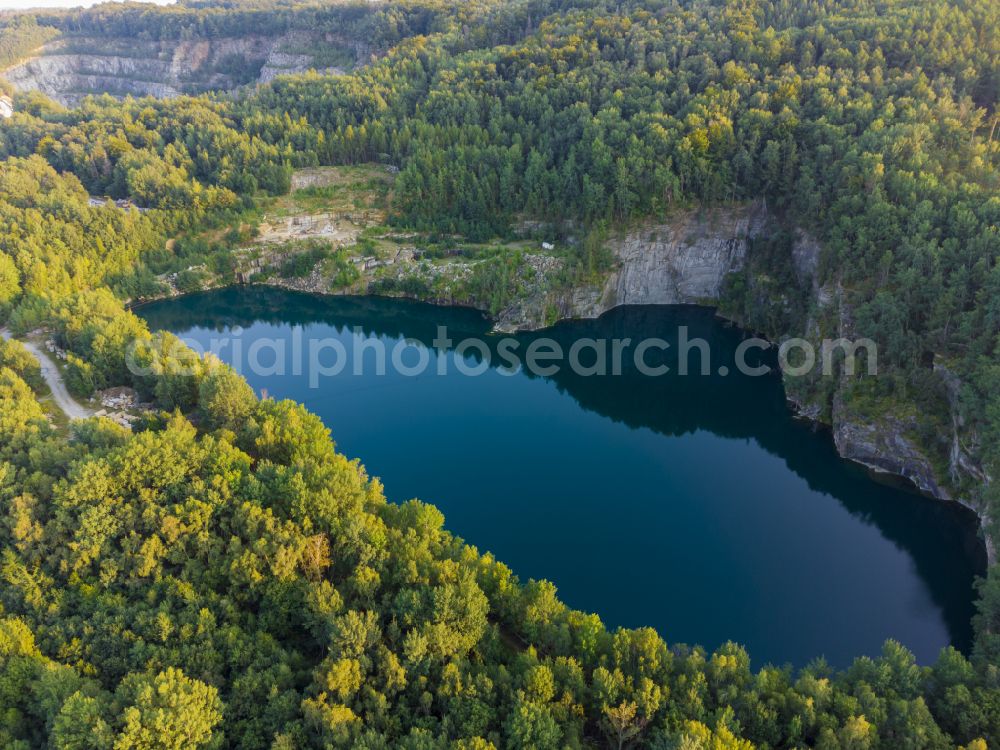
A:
{"x": 805, "y": 257}
{"x": 69, "y": 69}
{"x": 681, "y": 262}
{"x": 68, "y": 77}
{"x": 887, "y": 444}
{"x": 884, "y": 448}
{"x": 687, "y": 260}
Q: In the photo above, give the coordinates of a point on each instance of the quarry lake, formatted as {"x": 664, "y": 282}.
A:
{"x": 696, "y": 505}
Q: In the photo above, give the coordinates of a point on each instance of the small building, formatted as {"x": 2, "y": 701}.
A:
{"x": 548, "y": 246}
{"x": 6, "y": 107}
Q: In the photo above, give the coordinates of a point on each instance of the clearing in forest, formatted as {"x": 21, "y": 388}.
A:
{"x": 328, "y": 203}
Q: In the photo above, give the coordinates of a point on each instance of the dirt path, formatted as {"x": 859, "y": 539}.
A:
{"x": 53, "y": 378}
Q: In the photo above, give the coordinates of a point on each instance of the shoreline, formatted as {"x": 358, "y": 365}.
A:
{"x": 798, "y": 411}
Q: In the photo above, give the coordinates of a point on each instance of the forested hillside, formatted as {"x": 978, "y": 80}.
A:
{"x": 221, "y": 577}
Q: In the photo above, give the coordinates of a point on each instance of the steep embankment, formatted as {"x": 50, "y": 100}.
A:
{"x": 687, "y": 261}
{"x": 70, "y": 68}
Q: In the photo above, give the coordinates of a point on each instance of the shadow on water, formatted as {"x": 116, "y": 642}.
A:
{"x": 732, "y": 406}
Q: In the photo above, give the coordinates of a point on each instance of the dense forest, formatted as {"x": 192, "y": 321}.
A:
{"x": 19, "y": 36}
{"x": 221, "y": 577}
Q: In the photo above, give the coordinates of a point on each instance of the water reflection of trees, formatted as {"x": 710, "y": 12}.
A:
{"x": 733, "y": 406}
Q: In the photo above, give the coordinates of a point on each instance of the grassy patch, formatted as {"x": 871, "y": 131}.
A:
{"x": 335, "y": 190}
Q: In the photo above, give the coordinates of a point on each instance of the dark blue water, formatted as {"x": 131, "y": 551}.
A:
{"x": 696, "y": 505}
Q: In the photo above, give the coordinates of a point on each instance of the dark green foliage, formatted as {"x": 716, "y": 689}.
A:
{"x": 302, "y": 259}
{"x": 407, "y": 286}
{"x": 768, "y": 294}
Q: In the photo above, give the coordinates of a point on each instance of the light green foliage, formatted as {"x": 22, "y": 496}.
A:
{"x": 20, "y": 35}
{"x": 224, "y": 398}
{"x": 59, "y": 243}
{"x": 10, "y": 280}
{"x": 22, "y": 362}
{"x": 21, "y": 417}
{"x": 231, "y": 580}
{"x": 167, "y": 712}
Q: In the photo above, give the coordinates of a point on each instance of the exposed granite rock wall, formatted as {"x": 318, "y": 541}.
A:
{"x": 68, "y": 77}
{"x": 69, "y": 69}
{"x": 282, "y": 63}
{"x": 805, "y": 256}
{"x": 684, "y": 261}
{"x": 884, "y": 448}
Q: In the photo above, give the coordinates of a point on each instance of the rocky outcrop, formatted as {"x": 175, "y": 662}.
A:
{"x": 884, "y": 447}
{"x": 962, "y": 465}
{"x": 681, "y": 261}
{"x": 685, "y": 261}
{"x": 68, "y": 77}
{"x": 282, "y": 62}
{"x": 69, "y": 69}
{"x": 964, "y": 445}
{"x": 805, "y": 257}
